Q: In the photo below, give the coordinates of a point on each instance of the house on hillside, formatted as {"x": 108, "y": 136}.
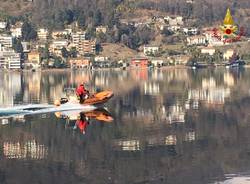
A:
{"x": 173, "y": 21}
{"x": 211, "y": 39}
{"x": 101, "y": 29}
{"x": 16, "y": 30}
{"x": 6, "y": 40}
{"x": 88, "y": 47}
{"x": 59, "y": 34}
{"x": 57, "y": 46}
{"x": 196, "y": 40}
{"x": 190, "y": 30}
{"x": 26, "y": 46}
{"x": 3, "y": 25}
{"x": 42, "y": 34}
{"x": 150, "y": 49}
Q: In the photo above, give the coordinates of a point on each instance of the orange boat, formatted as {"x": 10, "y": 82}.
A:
{"x": 99, "y": 98}
{"x": 95, "y": 99}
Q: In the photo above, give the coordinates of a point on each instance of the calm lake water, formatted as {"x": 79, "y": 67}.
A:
{"x": 171, "y": 126}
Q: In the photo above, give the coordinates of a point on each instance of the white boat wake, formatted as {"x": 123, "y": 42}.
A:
{"x": 33, "y": 109}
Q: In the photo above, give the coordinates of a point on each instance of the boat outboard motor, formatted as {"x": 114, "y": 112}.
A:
{"x": 64, "y": 100}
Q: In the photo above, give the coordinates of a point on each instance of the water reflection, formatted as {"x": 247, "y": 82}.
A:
{"x": 81, "y": 120}
{"x": 29, "y": 150}
{"x": 170, "y": 126}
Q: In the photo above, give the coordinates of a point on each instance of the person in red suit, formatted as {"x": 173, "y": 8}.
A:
{"x": 82, "y": 123}
{"x": 82, "y": 93}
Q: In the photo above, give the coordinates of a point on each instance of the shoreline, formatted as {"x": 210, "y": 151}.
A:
{"x": 112, "y": 69}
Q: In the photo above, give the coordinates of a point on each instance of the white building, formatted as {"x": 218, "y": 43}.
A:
{"x": 6, "y": 41}
{"x": 78, "y": 38}
{"x": 26, "y": 46}
{"x": 59, "y": 34}
{"x": 9, "y": 59}
{"x": 101, "y": 29}
{"x": 208, "y": 50}
{"x": 190, "y": 31}
{"x": 212, "y": 39}
{"x": 16, "y": 31}
{"x": 228, "y": 54}
{"x": 196, "y": 40}
{"x": 42, "y": 34}
{"x": 101, "y": 58}
{"x": 157, "y": 62}
{"x": 3, "y": 25}
{"x": 150, "y": 49}
{"x": 57, "y": 45}
{"x": 173, "y": 21}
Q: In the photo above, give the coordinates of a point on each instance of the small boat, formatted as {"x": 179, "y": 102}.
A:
{"x": 99, "y": 98}
{"x": 195, "y": 65}
{"x": 95, "y": 99}
{"x": 236, "y": 63}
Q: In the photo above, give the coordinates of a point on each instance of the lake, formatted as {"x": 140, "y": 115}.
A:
{"x": 170, "y": 126}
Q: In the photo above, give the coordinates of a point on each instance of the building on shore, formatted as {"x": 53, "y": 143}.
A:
{"x": 79, "y": 63}
{"x": 9, "y": 59}
{"x": 228, "y": 54}
{"x": 139, "y": 62}
{"x": 157, "y": 62}
{"x": 208, "y": 50}
{"x": 3, "y": 25}
{"x": 34, "y": 59}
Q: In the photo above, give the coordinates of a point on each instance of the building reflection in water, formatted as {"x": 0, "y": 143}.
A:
{"x": 27, "y": 150}
{"x": 10, "y": 88}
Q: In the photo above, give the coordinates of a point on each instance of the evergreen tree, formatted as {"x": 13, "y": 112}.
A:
{"x": 28, "y": 32}
{"x": 65, "y": 53}
{"x": 17, "y": 45}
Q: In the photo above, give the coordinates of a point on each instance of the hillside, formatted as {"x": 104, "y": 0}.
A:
{"x": 15, "y": 7}
{"x": 206, "y": 11}
{"x": 117, "y": 51}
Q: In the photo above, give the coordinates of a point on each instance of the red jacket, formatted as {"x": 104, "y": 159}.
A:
{"x": 81, "y": 90}
{"x": 82, "y": 125}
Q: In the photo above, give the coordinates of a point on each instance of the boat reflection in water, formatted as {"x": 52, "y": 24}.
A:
{"x": 81, "y": 120}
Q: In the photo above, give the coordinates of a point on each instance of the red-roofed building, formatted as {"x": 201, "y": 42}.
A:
{"x": 139, "y": 62}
